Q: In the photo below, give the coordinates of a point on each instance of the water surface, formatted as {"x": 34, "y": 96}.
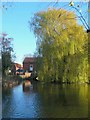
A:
{"x": 46, "y": 101}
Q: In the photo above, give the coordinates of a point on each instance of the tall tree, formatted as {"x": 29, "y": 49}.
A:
{"x": 62, "y": 44}
{"x": 6, "y": 52}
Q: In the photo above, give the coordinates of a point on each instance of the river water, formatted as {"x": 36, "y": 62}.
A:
{"x": 46, "y": 101}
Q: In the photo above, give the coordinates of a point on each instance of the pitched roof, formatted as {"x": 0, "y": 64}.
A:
{"x": 17, "y": 64}
{"x": 29, "y": 59}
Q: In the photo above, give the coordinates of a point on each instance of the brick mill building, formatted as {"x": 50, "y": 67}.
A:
{"x": 29, "y": 64}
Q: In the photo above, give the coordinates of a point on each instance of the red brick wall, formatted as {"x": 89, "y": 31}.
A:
{"x": 26, "y": 66}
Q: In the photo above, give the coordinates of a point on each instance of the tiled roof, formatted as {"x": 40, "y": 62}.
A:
{"x": 29, "y": 59}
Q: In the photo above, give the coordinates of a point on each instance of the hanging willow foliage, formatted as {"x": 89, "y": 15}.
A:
{"x": 61, "y": 46}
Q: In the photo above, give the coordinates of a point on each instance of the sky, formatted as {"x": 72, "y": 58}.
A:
{"x": 15, "y": 24}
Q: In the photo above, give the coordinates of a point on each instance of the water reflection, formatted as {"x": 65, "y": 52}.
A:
{"x": 26, "y": 89}
{"x": 46, "y": 101}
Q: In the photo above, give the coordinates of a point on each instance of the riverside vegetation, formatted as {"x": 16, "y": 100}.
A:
{"x": 8, "y": 80}
{"x": 62, "y": 47}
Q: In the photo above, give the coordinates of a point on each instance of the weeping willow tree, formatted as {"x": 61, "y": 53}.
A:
{"x": 61, "y": 46}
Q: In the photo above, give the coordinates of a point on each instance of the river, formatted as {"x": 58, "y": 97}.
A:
{"x": 46, "y": 101}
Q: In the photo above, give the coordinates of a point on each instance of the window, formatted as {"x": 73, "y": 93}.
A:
{"x": 31, "y": 67}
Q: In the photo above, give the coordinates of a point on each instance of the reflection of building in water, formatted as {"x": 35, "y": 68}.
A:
{"x": 26, "y": 89}
{"x": 26, "y": 86}
{"x": 29, "y": 64}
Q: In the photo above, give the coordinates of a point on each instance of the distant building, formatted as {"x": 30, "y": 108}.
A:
{"x": 18, "y": 66}
{"x": 29, "y": 64}
{"x": 15, "y": 67}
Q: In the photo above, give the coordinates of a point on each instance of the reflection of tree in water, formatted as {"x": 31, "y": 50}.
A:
{"x": 62, "y": 99}
{"x": 5, "y": 95}
{"x": 50, "y": 100}
{"x": 6, "y": 92}
{"x": 89, "y": 101}
{"x": 6, "y": 100}
{"x": 51, "y": 94}
{"x": 66, "y": 95}
{"x": 75, "y": 96}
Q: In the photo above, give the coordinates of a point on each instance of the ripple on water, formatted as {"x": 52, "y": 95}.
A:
{"x": 50, "y": 101}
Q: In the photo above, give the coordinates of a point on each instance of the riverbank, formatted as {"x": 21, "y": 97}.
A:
{"x": 11, "y": 80}
{"x": 58, "y": 82}
{"x": 14, "y": 80}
